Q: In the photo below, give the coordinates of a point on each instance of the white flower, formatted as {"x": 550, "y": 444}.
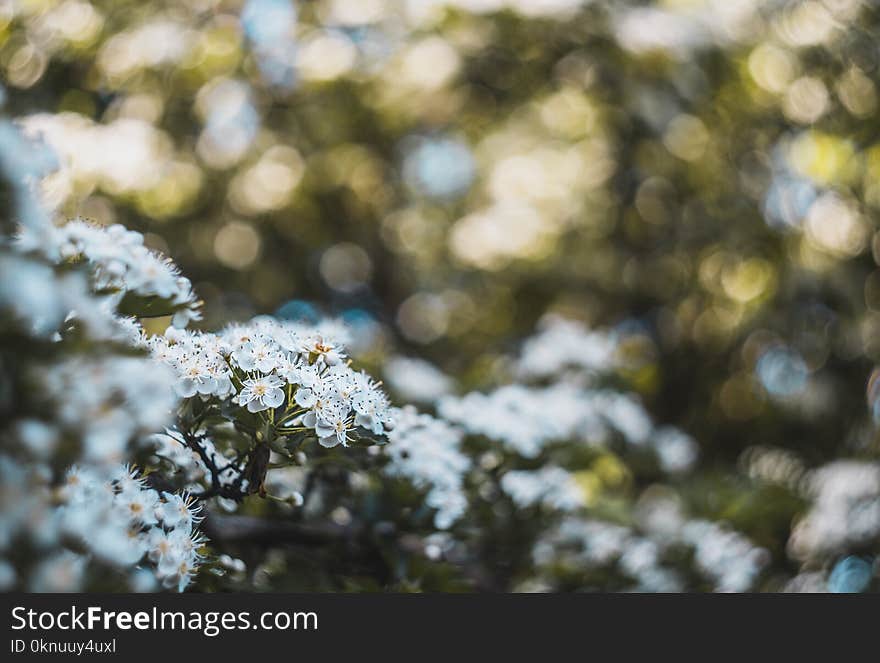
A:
{"x": 223, "y": 386}
{"x": 117, "y": 544}
{"x": 426, "y": 451}
{"x": 107, "y": 400}
{"x": 262, "y": 393}
{"x": 326, "y": 350}
{"x": 140, "y": 506}
{"x": 372, "y": 409}
{"x": 331, "y": 422}
{"x": 176, "y": 569}
{"x": 308, "y": 358}
{"x": 89, "y": 389}
{"x": 565, "y": 343}
{"x": 120, "y": 521}
{"x": 62, "y": 572}
{"x": 195, "y": 378}
{"x": 127, "y": 481}
{"x": 121, "y": 262}
{"x": 334, "y": 432}
{"x": 79, "y": 485}
{"x": 310, "y": 386}
{"x": 159, "y": 545}
{"x": 726, "y": 556}
{"x": 257, "y": 355}
{"x": 289, "y": 367}
{"x": 676, "y": 451}
{"x": 187, "y": 542}
{"x": 553, "y": 487}
{"x": 845, "y": 509}
{"x": 177, "y": 511}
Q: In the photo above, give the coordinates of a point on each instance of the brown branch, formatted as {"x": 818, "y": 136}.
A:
{"x": 231, "y": 491}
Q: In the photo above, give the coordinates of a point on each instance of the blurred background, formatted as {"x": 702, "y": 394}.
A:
{"x": 702, "y": 176}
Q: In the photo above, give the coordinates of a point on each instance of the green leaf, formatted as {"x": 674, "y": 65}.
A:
{"x": 146, "y": 307}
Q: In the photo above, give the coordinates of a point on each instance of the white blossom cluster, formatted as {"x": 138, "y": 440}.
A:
{"x": 523, "y": 418}
{"x": 122, "y": 263}
{"x": 724, "y": 557}
{"x": 121, "y": 521}
{"x": 526, "y": 419}
{"x": 23, "y": 164}
{"x": 598, "y": 542}
{"x": 267, "y": 364}
{"x": 427, "y": 452}
{"x": 107, "y": 401}
{"x": 41, "y": 301}
{"x": 85, "y": 403}
{"x": 844, "y": 513}
{"x": 553, "y": 487}
{"x": 106, "y": 514}
{"x": 579, "y": 544}
{"x": 564, "y": 344}
{"x": 32, "y": 292}
{"x": 567, "y": 358}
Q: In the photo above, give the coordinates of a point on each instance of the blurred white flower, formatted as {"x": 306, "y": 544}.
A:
{"x": 552, "y": 486}
{"x": 416, "y": 380}
{"x": 426, "y": 451}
